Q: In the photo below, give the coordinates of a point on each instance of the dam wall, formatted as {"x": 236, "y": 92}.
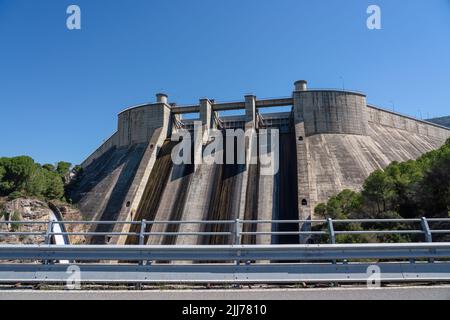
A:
{"x": 341, "y": 140}
{"x": 331, "y": 112}
{"x": 338, "y": 162}
{"x": 106, "y": 180}
{"x": 395, "y": 120}
{"x": 106, "y": 146}
{"x": 115, "y": 174}
{"x": 329, "y": 140}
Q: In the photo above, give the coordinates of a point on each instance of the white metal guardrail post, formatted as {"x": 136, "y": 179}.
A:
{"x": 142, "y": 231}
{"x": 237, "y": 231}
{"x": 142, "y": 237}
{"x": 141, "y": 243}
{"x": 48, "y": 232}
{"x": 331, "y": 233}
{"x": 427, "y": 231}
{"x": 237, "y": 234}
{"x": 48, "y": 236}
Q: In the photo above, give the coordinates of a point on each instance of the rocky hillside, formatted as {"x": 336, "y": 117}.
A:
{"x": 25, "y": 209}
{"x": 443, "y": 121}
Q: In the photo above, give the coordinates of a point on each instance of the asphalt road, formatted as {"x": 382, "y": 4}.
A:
{"x": 400, "y": 293}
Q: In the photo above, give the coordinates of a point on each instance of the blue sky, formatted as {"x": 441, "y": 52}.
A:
{"x": 61, "y": 90}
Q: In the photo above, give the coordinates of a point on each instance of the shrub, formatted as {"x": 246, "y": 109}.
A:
{"x": 16, "y": 195}
{"x": 15, "y": 216}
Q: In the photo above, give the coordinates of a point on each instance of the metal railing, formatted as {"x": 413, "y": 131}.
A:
{"x": 234, "y": 262}
{"x": 331, "y": 228}
{"x": 211, "y": 264}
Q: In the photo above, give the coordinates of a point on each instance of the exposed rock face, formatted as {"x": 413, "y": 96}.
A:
{"x": 26, "y": 210}
{"x": 34, "y": 210}
{"x": 29, "y": 209}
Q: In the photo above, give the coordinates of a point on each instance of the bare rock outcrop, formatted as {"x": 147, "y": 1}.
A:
{"x": 32, "y": 211}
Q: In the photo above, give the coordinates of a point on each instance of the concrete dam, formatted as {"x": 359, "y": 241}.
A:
{"x": 329, "y": 140}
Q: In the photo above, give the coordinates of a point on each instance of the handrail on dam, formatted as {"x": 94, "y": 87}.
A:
{"x": 331, "y": 228}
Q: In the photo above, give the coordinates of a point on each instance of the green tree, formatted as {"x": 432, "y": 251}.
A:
{"x": 379, "y": 189}
{"x": 63, "y": 168}
{"x": 18, "y": 172}
{"x": 405, "y": 177}
{"x": 434, "y": 190}
{"x": 54, "y": 186}
{"x": 21, "y": 176}
{"x": 321, "y": 210}
{"x": 2, "y": 172}
{"x": 37, "y": 183}
{"x": 77, "y": 170}
{"x": 49, "y": 167}
{"x": 340, "y": 206}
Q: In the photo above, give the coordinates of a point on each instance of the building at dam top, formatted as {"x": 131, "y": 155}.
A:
{"x": 329, "y": 140}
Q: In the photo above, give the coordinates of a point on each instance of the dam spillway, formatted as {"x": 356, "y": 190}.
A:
{"x": 329, "y": 140}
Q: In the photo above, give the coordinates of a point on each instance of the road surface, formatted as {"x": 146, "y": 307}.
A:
{"x": 347, "y": 293}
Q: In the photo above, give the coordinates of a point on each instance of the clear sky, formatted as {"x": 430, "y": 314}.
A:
{"x": 61, "y": 90}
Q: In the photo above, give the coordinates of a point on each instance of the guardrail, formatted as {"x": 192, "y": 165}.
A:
{"x": 235, "y": 229}
{"x": 236, "y": 262}
{"x": 210, "y": 264}
{"x": 221, "y": 253}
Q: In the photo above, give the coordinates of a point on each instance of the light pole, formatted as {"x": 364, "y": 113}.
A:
{"x": 393, "y": 105}
{"x": 343, "y": 82}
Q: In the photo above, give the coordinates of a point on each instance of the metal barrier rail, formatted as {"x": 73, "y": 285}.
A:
{"x": 236, "y": 228}
{"x": 222, "y": 253}
{"x": 313, "y": 263}
{"x": 224, "y": 274}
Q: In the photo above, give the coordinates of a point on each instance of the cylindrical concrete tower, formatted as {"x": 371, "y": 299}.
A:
{"x": 327, "y": 111}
